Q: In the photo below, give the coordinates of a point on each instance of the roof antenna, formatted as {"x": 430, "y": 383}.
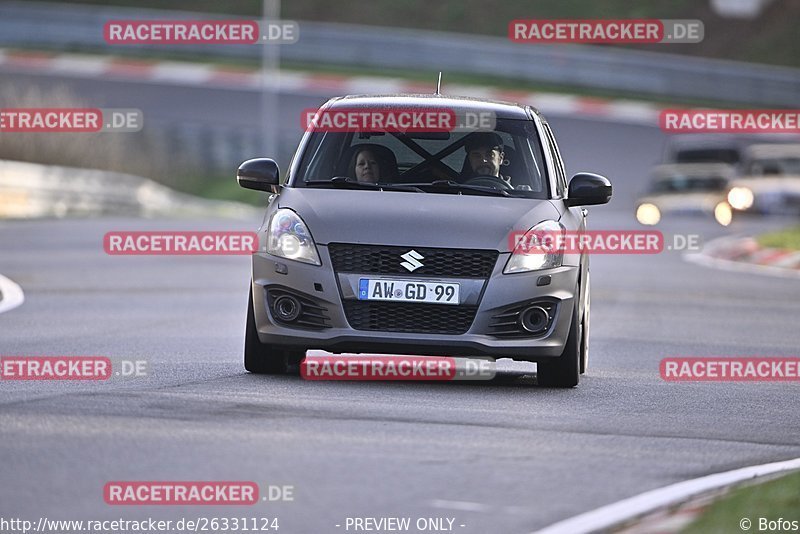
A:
{"x": 439, "y": 85}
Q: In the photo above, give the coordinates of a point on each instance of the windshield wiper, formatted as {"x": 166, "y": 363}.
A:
{"x": 346, "y": 181}
{"x": 450, "y": 185}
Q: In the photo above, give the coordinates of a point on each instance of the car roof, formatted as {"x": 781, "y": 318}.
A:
{"x": 773, "y": 151}
{"x": 696, "y": 169}
{"x": 501, "y": 109}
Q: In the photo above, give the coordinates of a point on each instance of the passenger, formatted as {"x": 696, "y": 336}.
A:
{"x": 367, "y": 168}
{"x": 373, "y": 163}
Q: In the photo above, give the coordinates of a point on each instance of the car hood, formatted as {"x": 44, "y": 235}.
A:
{"x": 414, "y": 219}
{"x": 685, "y": 202}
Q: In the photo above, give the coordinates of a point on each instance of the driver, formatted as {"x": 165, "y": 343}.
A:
{"x": 485, "y": 154}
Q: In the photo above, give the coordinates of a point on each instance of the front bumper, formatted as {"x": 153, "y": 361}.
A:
{"x": 326, "y": 288}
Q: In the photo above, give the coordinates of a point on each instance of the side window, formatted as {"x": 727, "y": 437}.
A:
{"x": 561, "y": 179}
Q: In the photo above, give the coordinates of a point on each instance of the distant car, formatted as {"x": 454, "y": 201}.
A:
{"x": 704, "y": 148}
{"x": 419, "y": 261}
{"x": 769, "y": 182}
{"x": 686, "y": 189}
{"x": 718, "y": 148}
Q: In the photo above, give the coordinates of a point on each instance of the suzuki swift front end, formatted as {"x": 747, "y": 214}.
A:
{"x": 398, "y": 240}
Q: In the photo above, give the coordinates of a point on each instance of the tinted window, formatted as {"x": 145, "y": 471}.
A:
{"x": 689, "y": 184}
{"x": 708, "y": 155}
{"x": 774, "y": 166}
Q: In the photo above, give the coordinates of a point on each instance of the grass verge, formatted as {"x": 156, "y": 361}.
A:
{"x": 788, "y": 239}
{"x": 759, "y": 504}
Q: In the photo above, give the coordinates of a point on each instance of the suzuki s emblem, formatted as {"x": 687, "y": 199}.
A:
{"x": 412, "y": 262}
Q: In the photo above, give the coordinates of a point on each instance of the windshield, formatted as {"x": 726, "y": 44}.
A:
{"x": 689, "y": 184}
{"x": 508, "y": 159}
{"x": 774, "y": 166}
{"x": 708, "y": 155}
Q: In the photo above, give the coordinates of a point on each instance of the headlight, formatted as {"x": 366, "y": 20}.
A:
{"x": 723, "y": 213}
{"x": 289, "y": 238}
{"x": 538, "y": 249}
{"x": 740, "y": 198}
{"x": 648, "y": 214}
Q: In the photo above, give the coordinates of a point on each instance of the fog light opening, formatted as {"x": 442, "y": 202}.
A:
{"x": 534, "y": 319}
{"x": 286, "y": 308}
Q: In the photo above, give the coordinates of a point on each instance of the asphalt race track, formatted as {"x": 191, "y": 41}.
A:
{"x": 498, "y": 457}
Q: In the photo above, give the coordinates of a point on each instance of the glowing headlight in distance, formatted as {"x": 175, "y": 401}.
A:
{"x": 648, "y": 214}
{"x": 740, "y": 198}
{"x": 723, "y": 213}
{"x": 289, "y": 238}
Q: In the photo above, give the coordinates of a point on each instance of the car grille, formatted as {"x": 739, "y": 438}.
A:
{"x": 447, "y": 262}
{"x": 409, "y": 317}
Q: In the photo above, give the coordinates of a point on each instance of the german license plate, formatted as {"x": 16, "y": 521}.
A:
{"x": 408, "y": 291}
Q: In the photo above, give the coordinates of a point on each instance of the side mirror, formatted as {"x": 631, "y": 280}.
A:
{"x": 261, "y": 174}
{"x": 587, "y": 188}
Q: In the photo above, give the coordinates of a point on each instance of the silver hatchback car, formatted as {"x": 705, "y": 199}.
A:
{"x": 397, "y": 240}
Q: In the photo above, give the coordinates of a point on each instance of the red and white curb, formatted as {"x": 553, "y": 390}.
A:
{"x": 676, "y": 520}
{"x": 744, "y": 254}
{"x": 240, "y": 78}
{"x": 11, "y": 294}
{"x": 621, "y": 512}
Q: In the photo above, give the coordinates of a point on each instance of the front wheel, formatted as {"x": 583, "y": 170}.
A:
{"x": 585, "y": 329}
{"x": 564, "y": 371}
{"x": 260, "y": 358}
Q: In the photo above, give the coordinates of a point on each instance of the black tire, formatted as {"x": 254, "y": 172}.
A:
{"x": 263, "y": 359}
{"x": 564, "y": 371}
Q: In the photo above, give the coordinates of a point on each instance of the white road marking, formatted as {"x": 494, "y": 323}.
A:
{"x": 368, "y": 84}
{"x": 181, "y": 73}
{"x": 463, "y": 506}
{"x": 467, "y": 506}
{"x": 80, "y": 65}
{"x": 12, "y": 294}
{"x": 609, "y": 516}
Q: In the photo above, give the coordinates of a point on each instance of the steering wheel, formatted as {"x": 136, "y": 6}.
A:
{"x": 487, "y": 180}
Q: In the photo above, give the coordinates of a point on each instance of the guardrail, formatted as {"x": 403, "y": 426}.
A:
{"x": 658, "y": 74}
{"x": 30, "y": 190}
